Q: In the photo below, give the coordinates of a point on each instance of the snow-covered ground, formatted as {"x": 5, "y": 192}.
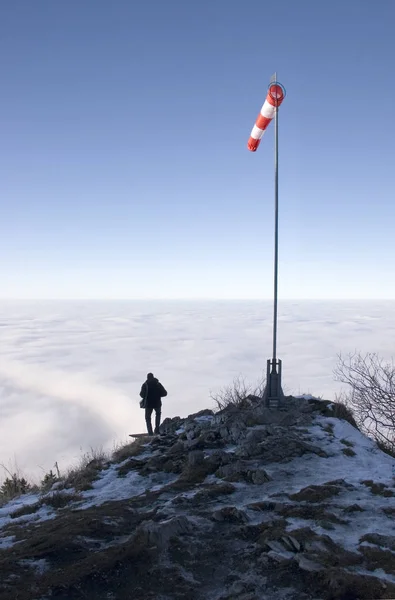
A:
{"x": 330, "y": 434}
{"x": 42, "y": 514}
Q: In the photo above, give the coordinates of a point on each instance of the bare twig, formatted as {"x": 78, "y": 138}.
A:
{"x": 236, "y": 393}
{"x": 372, "y": 393}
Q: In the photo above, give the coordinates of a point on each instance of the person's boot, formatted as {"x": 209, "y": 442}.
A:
{"x": 157, "y": 423}
{"x": 149, "y": 427}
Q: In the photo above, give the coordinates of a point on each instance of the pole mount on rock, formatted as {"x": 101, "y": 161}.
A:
{"x": 273, "y": 395}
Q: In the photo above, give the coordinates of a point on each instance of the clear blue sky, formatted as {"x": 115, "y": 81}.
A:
{"x": 124, "y": 170}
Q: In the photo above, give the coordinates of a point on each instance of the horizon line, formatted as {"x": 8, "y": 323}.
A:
{"x": 190, "y": 299}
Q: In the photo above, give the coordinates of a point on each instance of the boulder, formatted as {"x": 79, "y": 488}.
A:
{"x": 176, "y": 449}
{"x": 218, "y": 458}
{"x": 210, "y": 492}
{"x": 308, "y": 565}
{"x": 340, "y": 583}
{"x": 230, "y": 514}
{"x": 386, "y": 541}
{"x": 173, "y": 466}
{"x": 170, "y": 426}
{"x": 291, "y": 543}
{"x": 282, "y": 558}
{"x": 206, "y": 439}
{"x": 317, "y": 493}
{"x": 258, "y": 476}
{"x": 159, "y": 534}
{"x": 276, "y": 546}
{"x": 196, "y": 457}
{"x": 235, "y": 431}
{"x": 202, "y": 413}
{"x": 250, "y": 446}
{"x": 282, "y": 447}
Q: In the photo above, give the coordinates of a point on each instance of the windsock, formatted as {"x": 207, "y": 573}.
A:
{"x": 274, "y": 98}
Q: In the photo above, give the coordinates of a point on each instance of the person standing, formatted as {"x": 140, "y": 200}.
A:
{"x": 152, "y": 391}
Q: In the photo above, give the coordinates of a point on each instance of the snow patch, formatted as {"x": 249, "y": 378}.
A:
{"x": 39, "y": 565}
{"x": 7, "y": 542}
{"x": 204, "y": 419}
{"x": 42, "y": 514}
{"x": 111, "y": 487}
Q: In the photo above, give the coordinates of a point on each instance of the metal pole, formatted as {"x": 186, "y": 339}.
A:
{"x": 274, "y": 396}
{"x": 275, "y": 234}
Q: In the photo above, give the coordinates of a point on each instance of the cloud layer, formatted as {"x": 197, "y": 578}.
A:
{"x": 70, "y": 372}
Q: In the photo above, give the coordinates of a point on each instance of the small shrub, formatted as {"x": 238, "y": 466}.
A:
{"x": 237, "y": 393}
{"x": 59, "y": 499}
{"x": 347, "y": 443}
{"x": 342, "y": 411}
{"x": 56, "y": 500}
{"x": 83, "y": 476}
{"x": 14, "y": 486}
{"x": 27, "y": 509}
{"x": 348, "y": 452}
{"x": 48, "y": 480}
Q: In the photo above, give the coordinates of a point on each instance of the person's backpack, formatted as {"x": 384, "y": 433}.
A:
{"x": 162, "y": 390}
{"x": 143, "y": 402}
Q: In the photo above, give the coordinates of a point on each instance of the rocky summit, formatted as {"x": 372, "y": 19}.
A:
{"x": 245, "y": 504}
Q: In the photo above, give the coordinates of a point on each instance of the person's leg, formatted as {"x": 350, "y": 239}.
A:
{"x": 148, "y": 413}
{"x": 157, "y": 417}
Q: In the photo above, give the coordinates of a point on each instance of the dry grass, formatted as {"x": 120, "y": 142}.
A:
{"x": 340, "y": 410}
{"x": 59, "y": 499}
{"x": 56, "y": 500}
{"x": 27, "y": 509}
{"x": 87, "y": 471}
{"x": 76, "y": 571}
{"x": 133, "y": 449}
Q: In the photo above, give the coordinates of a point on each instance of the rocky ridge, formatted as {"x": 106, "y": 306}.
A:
{"x": 245, "y": 504}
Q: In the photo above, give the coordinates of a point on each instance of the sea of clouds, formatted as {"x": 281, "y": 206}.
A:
{"x": 70, "y": 372}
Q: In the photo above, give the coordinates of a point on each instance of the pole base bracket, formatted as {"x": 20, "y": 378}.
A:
{"x": 273, "y": 396}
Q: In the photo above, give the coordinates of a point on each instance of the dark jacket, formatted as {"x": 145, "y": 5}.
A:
{"x": 153, "y": 391}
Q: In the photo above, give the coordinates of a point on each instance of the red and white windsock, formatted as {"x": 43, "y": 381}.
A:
{"x": 274, "y": 98}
